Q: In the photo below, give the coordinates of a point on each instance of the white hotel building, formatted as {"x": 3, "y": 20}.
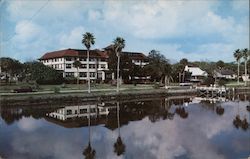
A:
{"x": 63, "y": 60}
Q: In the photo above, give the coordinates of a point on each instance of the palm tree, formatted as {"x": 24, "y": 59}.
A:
{"x": 89, "y": 152}
{"x": 77, "y": 64}
{"x": 245, "y": 55}
{"x": 237, "y": 56}
{"x": 88, "y": 40}
{"x": 119, "y": 44}
{"x": 119, "y": 147}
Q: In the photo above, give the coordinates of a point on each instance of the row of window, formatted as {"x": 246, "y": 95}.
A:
{"x": 81, "y": 74}
{"x": 91, "y": 66}
{"x": 82, "y": 59}
{"x": 82, "y": 111}
{"x": 53, "y": 60}
{"x": 57, "y": 66}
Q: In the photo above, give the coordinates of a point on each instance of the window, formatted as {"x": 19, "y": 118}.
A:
{"x": 68, "y": 65}
{"x": 83, "y": 59}
{"x": 83, "y": 111}
{"x": 91, "y": 59}
{"x": 69, "y": 74}
{"x": 92, "y": 66}
{"x": 99, "y": 75}
{"x": 83, "y": 66}
{"x": 92, "y": 110}
{"x": 102, "y": 66}
{"x": 83, "y": 74}
{"x": 92, "y": 74}
{"x": 69, "y": 112}
{"x": 68, "y": 59}
{"x": 75, "y": 111}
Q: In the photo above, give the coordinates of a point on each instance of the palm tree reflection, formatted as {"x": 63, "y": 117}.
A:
{"x": 238, "y": 123}
{"x": 181, "y": 112}
{"x": 220, "y": 110}
{"x": 119, "y": 146}
{"x": 244, "y": 124}
{"x": 89, "y": 152}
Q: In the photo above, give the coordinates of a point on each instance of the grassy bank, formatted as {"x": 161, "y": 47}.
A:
{"x": 71, "y": 87}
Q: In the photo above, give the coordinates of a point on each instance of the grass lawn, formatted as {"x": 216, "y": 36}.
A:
{"x": 235, "y": 84}
{"x": 43, "y": 88}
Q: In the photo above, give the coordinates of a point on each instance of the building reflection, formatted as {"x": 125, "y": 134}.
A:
{"x": 105, "y": 113}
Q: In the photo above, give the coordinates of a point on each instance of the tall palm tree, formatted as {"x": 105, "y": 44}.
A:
{"x": 245, "y": 55}
{"x": 77, "y": 64}
{"x": 119, "y": 146}
{"x": 119, "y": 44}
{"x": 237, "y": 56}
{"x": 89, "y": 152}
{"x": 88, "y": 40}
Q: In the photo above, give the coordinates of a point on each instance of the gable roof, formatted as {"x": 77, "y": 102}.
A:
{"x": 195, "y": 71}
{"x": 224, "y": 72}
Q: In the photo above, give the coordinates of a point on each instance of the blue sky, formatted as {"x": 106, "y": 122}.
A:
{"x": 207, "y": 30}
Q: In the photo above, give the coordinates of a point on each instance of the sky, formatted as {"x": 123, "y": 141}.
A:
{"x": 199, "y": 30}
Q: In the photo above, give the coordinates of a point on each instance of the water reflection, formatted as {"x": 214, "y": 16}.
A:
{"x": 119, "y": 146}
{"x": 88, "y": 152}
{"x": 190, "y": 127}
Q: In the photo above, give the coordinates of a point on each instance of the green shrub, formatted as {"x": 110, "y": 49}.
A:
{"x": 156, "y": 86}
{"x": 56, "y": 90}
{"x": 222, "y": 82}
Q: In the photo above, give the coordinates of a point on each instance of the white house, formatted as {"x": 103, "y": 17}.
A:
{"x": 224, "y": 74}
{"x": 197, "y": 74}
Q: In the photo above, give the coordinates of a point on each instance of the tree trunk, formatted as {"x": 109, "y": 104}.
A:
{"x": 246, "y": 72}
{"x": 89, "y": 126}
{"x": 77, "y": 77}
{"x": 88, "y": 77}
{"x": 238, "y": 78}
{"x": 118, "y": 69}
{"x": 118, "y": 117}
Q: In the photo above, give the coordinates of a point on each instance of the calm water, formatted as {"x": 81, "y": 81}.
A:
{"x": 185, "y": 128}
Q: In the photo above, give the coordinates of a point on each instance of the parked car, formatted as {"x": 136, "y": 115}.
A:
{"x": 23, "y": 89}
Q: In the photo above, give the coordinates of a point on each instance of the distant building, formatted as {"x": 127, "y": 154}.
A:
{"x": 63, "y": 60}
{"x": 197, "y": 75}
{"x": 224, "y": 74}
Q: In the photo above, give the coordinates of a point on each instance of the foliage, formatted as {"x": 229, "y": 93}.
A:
{"x": 70, "y": 80}
{"x": 158, "y": 67}
{"x": 119, "y": 44}
{"x": 56, "y": 90}
{"x": 208, "y": 81}
{"x": 119, "y": 147}
{"x": 220, "y": 64}
{"x": 10, "y": 66}
{"x": 89, "y": 152}
{"x": 77, "y": 64}
{"x": 88, "y": 40}
{"x": 42, "y": 74}
{"x": 222, "y": 82}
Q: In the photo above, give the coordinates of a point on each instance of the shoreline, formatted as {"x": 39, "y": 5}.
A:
{"x": 80, "y": 97}
{"x": 77, "y": 97}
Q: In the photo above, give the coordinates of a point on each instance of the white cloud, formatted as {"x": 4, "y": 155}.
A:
{"x": 73, "y": 38}
{"x": 27, "y": 31}
{"x": 28, "y": 124}
{"x": 141, "y": 23}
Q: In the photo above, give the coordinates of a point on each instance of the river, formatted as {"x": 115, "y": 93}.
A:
{"x": 164, "y": 128}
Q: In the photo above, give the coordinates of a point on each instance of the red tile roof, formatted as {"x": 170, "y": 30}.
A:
{"x": 73, "y": 53}
{"x": 93, "y": 53}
